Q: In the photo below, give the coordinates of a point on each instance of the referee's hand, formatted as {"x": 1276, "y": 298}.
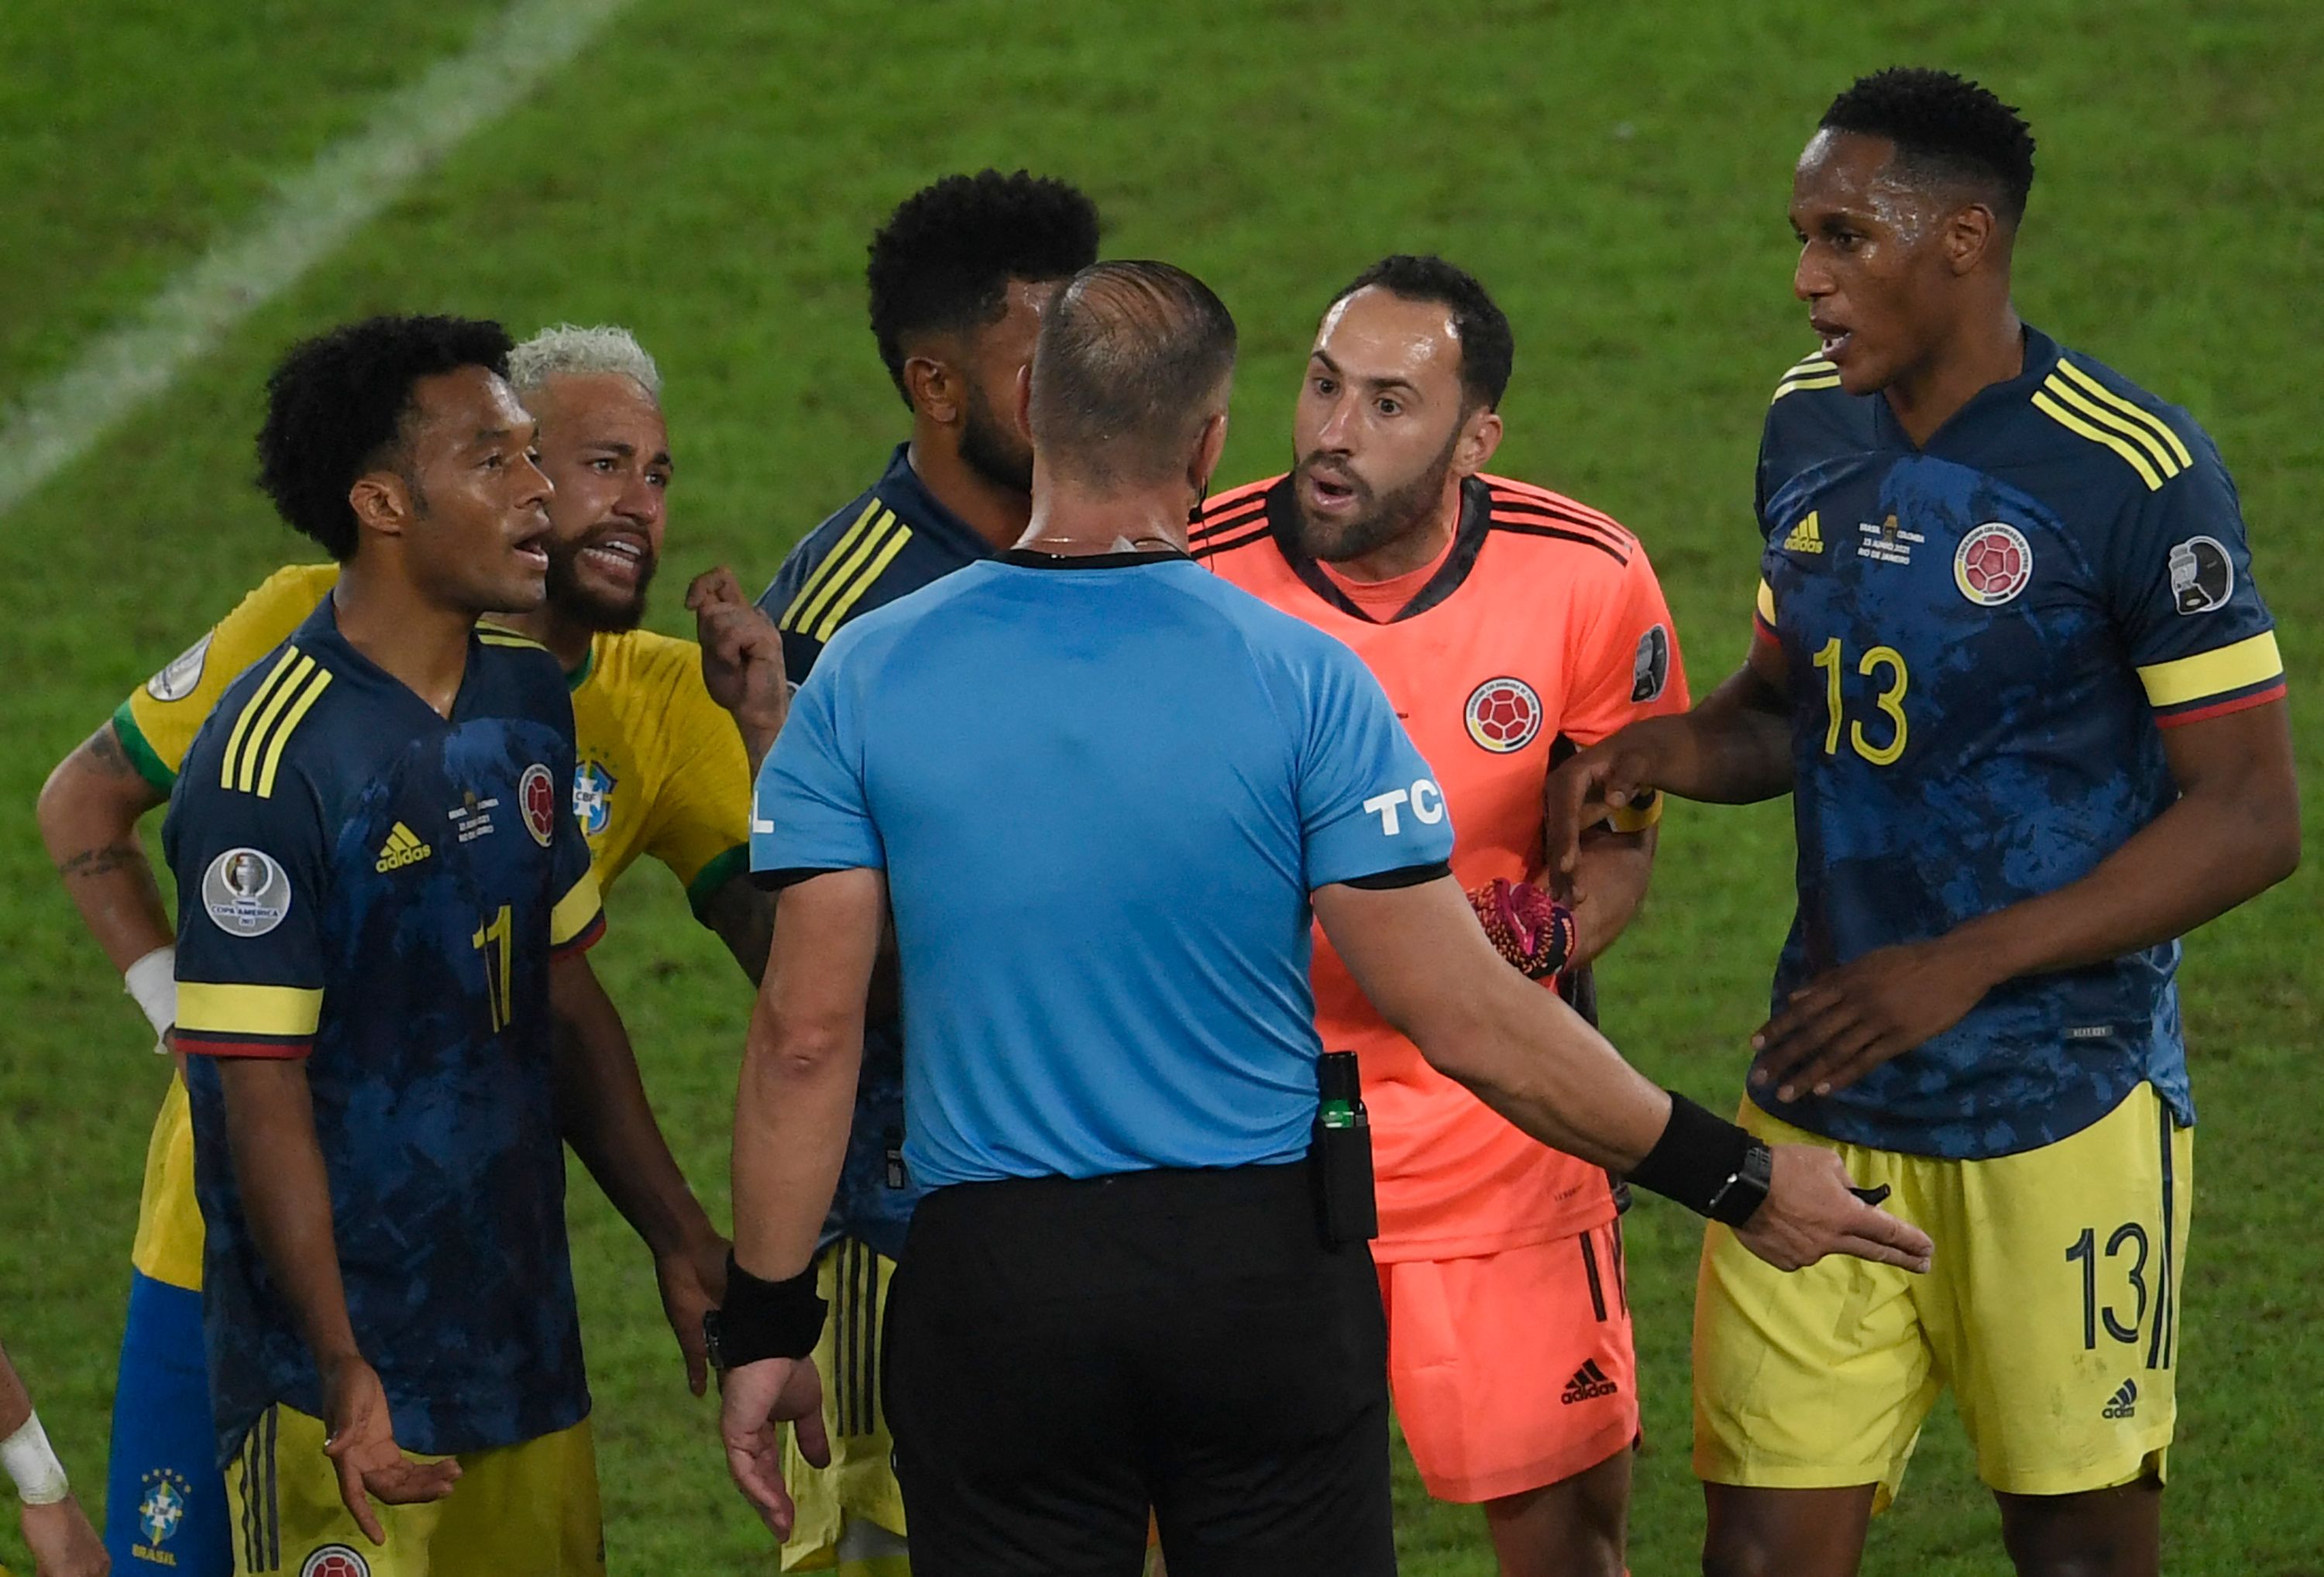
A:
{"x": 758, "y": 1396}
{"x": 1811, "y": 1211}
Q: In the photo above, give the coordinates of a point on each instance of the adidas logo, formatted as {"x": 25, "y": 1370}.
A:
{"x": 2124, "y": 1403}
{"x": 1589, "y": 1382}
{"x": 1807, "y": 537}
{"x": 402, "y": 848}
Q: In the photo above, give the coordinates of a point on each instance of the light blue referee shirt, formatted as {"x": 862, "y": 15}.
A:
{"x": 1102, "y": 789}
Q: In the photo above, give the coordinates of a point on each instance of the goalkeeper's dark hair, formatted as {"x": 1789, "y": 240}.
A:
{"x": 1948, "y": 131}
{"x": 1488, "y": 349}
{"x": 1133, "y": 359}
{"x": 944, "y": 260}
{"x": 336, "y": 408}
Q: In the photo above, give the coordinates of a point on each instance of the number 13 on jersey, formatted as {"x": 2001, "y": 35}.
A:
{"x": 1884, "y": 666}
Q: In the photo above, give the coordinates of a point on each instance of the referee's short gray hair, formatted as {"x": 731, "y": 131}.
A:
{"x": 565, "y": 348}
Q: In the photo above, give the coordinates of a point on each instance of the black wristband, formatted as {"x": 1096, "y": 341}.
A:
{"x": 763, "y": 1319}
{"x": 1697, "y": 1157}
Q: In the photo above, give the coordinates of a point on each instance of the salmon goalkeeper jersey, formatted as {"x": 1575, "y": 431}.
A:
{"x": 1984, "y": 635}
{"x": 660, "y": 770}
{"x": 1541, "y": 629}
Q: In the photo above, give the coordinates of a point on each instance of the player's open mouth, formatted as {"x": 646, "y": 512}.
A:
{"x": 622, "y": 558}
{"x": 533, "y": 548}
{"x": 1327, "y": 492}
{"x": 1835, "y": 339}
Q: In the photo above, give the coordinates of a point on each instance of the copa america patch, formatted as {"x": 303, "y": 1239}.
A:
{"x": 2202, "y": 576}
{"x": 177, "y": 681}
{"x": 536, "y": 798}
{"x": 333, "y": 1561}
{"x": 1993, "y": 563}
{"x": 1503, "y": 714}
{"x": 245, "y": 892}
{"x": 1650, "y": 666}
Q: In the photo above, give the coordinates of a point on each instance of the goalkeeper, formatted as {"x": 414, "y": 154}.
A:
{"x": 1510, "y": 625}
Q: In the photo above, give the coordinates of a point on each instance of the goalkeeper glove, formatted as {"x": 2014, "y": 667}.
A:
{"x": 1531, "y": 929}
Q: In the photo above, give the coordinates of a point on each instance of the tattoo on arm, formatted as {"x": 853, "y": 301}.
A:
{"x": 106, "y": 754}
{"x": 103, "y": 862}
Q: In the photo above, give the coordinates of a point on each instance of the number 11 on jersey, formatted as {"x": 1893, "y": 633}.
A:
{"x": 492, "y": 940}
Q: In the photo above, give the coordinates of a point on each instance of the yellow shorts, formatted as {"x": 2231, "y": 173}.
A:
{"x": 2052, "y": 1311}
{"x": 850, "y": 1514}
{"x": 524, "y": 1510}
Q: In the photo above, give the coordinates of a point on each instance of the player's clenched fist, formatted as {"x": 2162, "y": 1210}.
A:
{"x": 741, "y": 657}
{"x": 1812, "y": 1211}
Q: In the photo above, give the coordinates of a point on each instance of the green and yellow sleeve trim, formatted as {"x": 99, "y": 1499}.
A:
{"x": 578, "y": 920}
{"x": 141, "y": 752}
{"x": 723, "y": 869}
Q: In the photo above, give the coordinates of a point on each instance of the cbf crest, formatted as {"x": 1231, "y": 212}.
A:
{"x": 160, "y": 1509}
{"x": 592, "y": 797}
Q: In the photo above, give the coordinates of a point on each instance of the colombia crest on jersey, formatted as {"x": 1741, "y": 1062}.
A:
{"x": 378, "y": 890}
{"x": 1984, "y": 636}
{"x": 1539, "y": 631}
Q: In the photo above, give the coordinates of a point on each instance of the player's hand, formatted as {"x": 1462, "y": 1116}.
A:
{"x": 1611, "y": 775}
{"x": 693, "y": 1282}
{"x": 361, "y": 1447}
{"x": 62, "y": 1543}
{"x": 1847, "y": 1022}
{"x": 1811, "y": 1211}
{"x": 758, "y": 1396}
{"x": 742, "y": 657}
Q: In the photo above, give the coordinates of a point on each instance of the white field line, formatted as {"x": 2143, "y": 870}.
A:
{"x": 310, "y": 216}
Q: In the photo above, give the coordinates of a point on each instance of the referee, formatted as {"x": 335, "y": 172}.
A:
{"x": 1105, "y": 792}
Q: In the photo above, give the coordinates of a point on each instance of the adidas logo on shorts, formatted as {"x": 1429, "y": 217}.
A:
{"x": 2124, "y": 1403}
{"x": 1588, "y": 1384}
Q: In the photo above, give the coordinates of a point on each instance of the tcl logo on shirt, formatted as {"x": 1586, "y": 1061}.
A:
{"x": 1425, "y": 798}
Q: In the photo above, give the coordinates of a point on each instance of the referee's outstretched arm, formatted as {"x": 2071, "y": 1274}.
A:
{"x": 1419, "y": 955}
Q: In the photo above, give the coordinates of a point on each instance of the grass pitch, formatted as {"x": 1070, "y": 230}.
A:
{"x": 709, "y": 174}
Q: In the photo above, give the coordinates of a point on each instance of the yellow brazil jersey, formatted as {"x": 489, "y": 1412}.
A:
{"x": 661, "y": 771}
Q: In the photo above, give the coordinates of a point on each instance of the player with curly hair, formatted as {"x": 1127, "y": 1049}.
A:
{"x": 2012, "y": 668}
{"x": 959, "y": 276}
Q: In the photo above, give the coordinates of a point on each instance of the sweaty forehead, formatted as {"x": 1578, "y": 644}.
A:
{"x": 1376, "y": 334}
{"x": 1852, "y": 172}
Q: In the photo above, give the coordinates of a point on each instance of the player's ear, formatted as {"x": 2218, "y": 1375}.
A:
{"x": 1209, "y": 448}
{"x": 382, "y": 501}
{"x": 1480, "y": 434}
{"x": 1969, "y": 234}
{"x": 1024, "y": 399}
{"x": 935, "y": 390}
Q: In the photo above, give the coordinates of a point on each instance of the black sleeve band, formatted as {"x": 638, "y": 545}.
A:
{"x": 1403, "y": 876}
{"x": 1695, "y": 1158}
{"x": 789, "y": 876}
{"x": 765, "y": 1319}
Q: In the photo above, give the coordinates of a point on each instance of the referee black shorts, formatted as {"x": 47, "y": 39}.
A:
{"x": 1064, "y": 1355}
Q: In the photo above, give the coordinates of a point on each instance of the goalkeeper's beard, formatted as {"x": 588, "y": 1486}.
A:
{"x": 1391, "y": 517}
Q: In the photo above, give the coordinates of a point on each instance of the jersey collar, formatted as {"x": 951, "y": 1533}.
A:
{"x": 1468, "y": 541}
{"x": 899, "y": 488}
{"x": 2003, "y": 400}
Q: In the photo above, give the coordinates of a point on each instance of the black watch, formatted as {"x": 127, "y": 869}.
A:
{"x": 1746, "y": 1188}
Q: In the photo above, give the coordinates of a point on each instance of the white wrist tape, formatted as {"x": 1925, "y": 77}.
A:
{"x": 152, "y": 983}
{"x": 32, "y": 1463}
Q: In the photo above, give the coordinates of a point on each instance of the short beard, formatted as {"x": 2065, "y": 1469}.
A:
{"x": 589, "y": 609}
{"x": 992, "y": 450}
{"x": 1393, "y": 516}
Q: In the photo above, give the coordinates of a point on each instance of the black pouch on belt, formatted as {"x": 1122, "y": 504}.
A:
{"x": 1346, "y": 1209}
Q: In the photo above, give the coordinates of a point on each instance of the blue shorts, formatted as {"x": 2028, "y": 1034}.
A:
{"x": 164, "y": 1497}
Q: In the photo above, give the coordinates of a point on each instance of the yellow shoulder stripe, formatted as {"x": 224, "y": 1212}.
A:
{"x": 205, "y": 1008}
{"x": 862, "y": 583}
{"x": 1814, "y": 373}
{"x": 2138, "y": 414}
{"x": 847, "y": 574}
{"x": 824, "y": 572}
{"x": 1768, "y": 603}
{"x": 575, "y": 910}
{"x": 494, "y": 635}
{"x": 2212, "y": 673}
{"x": 253, "y": 751}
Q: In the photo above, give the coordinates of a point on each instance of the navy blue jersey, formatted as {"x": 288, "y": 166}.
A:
{"x": 369, "y": 886}
{"x": 889, "y": 541}
{"x": 1984, "y": 635}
